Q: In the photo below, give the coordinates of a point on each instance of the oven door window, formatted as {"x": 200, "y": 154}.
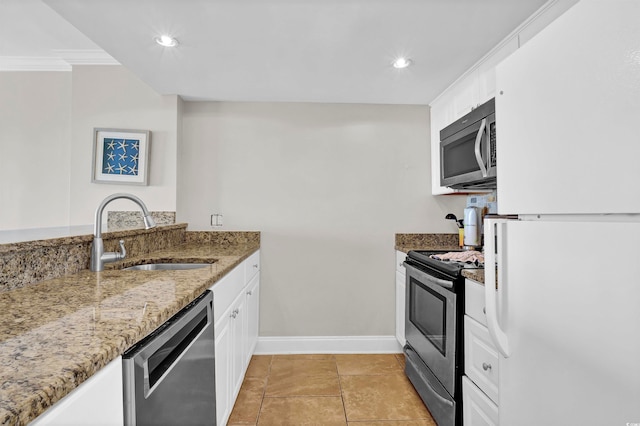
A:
{"x": 428, "y": 313}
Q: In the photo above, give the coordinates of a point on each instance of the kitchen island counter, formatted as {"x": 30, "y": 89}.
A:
{"x": 57, "y": 333}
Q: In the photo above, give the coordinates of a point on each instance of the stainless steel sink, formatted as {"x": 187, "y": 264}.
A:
{"x": 166, "y": 266}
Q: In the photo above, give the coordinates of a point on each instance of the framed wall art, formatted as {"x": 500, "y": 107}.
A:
{"x": 120, "y": 156}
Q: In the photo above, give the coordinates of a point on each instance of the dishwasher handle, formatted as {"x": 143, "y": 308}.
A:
{"x": 161, "y": 349}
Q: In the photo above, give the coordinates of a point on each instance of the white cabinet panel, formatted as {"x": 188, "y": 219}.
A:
{"x": 400, "y": 307}
{"x": 238, "y": 342}
{"x": 474, "y": 301}
{"x": 226, "y": 290}
{"x": 477, "y": 409}
{"x": 251, "y": 266}
{"x": 568, "y": 113}
{"x": 481, "y": 362}
{"x": 487, "y": 70}
{"x": 223, "y": 370}
{"x": 97, "y": 401}
{"x": 400, "y": 296}
{"x": 253, "y": 315}
{"x": 236, "y": 303}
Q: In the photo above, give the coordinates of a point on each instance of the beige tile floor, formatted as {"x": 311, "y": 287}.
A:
{"x": 354, "y": 390}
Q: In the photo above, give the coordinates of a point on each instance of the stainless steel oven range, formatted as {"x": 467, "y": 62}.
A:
{"x": 433, "y": 330}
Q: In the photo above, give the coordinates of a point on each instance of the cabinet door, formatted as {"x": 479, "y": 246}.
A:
{"x": 477, "y": 409}
{"x": 441, "y": 116}
{"x": 224, "y": 389}
{"x": 239, "y": 343}
{"x": 97, "y": 401}
{"x": 253, "y": 316}
{"x": 251, "y": 266}
{"x": 487, "y": 69}
{"x": 567, "y": 114}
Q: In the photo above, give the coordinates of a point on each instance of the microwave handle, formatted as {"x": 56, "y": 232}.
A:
{"x": 488, "y": 130}
{"x": 479, "y": 159}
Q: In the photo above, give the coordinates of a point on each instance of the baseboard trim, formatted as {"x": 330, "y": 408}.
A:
{"x": 327, "y": 345}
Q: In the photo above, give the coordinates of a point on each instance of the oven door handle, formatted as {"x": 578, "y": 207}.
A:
{"x": 442, "y": 283}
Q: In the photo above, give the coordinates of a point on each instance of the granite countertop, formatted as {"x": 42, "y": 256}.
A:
{"x": 57, "y": 333}
{"x": 474, "y": 274}
{"x": 407, "y": 242}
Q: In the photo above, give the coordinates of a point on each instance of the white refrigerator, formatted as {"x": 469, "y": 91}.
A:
{"x": 566, "y": 312}
{"x": 565, "y": 318}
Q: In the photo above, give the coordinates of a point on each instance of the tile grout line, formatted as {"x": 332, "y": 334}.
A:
{"x": 264, "y": 390}
{"x": 344, "y": 406}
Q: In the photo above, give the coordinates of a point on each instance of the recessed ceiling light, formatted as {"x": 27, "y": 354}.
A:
{"x": 402, "y": 63}
{"x": 166, "y": 41}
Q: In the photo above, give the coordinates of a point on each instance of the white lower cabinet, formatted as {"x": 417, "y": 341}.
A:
{"x": 236, "y": 313}
{"x": 253, "y": 314}
{"x": 400, "y": 296}
{"x": 97, "y": 401}
{"x": 481, "y": 366}
{"x": 223, "y": 371}
{"x": 478, "y": 409}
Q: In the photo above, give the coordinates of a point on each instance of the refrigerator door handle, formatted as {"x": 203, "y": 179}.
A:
{"x": 493, "y": 247}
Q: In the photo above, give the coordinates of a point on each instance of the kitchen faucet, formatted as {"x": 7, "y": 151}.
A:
{"x": 98, "y": 256}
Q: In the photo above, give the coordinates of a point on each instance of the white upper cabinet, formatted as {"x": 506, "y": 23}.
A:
{"x": 478, "y": 85}
{"x": 567, "y": 113}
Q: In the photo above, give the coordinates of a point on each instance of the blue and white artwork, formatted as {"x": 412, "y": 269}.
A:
{"x": 121, "y": 156}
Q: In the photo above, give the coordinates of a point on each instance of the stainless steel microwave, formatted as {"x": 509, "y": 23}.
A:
{"x": 468, "y": 150}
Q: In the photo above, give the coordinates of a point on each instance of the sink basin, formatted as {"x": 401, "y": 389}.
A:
{"x": 166, "y": 266}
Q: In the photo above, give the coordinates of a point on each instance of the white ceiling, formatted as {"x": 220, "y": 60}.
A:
{"x": 271, "y": 50}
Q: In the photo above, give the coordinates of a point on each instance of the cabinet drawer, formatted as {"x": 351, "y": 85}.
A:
{"x": 400, "y": 257}
{"x": 477, "y": 409}
{"x": 474, "y": 301}
{"x": 252, "y": 266}
{"x": 481, "y": 358}
{"x": 226, "y": 290}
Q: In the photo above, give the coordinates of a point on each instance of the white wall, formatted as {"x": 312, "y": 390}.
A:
{"x": 112, "y": 97}
{"x": 46, "y": 143}
{"x": 35, "y": 116}
{"x": 328, "y": 186}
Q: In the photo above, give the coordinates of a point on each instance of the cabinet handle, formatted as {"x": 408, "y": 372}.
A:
{"x": 484, "y": 310}
{"x": 249, "y": 293}
{"x": 233, "y": 315}
{"x": 236, "y": 311}
{"x": 486, "y": 367}
{"x": 255, "y": 265}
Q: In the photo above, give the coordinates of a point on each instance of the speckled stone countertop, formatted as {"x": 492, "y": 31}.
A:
{"x": 406, "y": 242}
{"x": 474, "y": 274}
{"x": 57, "y": 333}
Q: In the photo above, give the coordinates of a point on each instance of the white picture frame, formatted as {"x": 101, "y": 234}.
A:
{"x": 120, "y": 156}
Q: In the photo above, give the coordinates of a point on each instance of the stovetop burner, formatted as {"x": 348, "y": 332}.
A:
{"x": 453, "y": 268}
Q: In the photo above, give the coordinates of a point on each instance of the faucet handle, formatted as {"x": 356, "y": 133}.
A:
{"x": 123, "y": 251}
{"x": 114, "y": 256}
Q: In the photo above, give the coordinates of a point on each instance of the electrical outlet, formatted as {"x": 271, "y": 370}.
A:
{"x": 216, "y": 220}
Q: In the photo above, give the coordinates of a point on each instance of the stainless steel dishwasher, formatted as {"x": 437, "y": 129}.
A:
{"x": 169, "y": 376}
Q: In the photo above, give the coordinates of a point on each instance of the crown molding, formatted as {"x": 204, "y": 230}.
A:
{"x": 23, "y": 63}
{"x": 62, "y": 60}
{"x": 85, "y": 57}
